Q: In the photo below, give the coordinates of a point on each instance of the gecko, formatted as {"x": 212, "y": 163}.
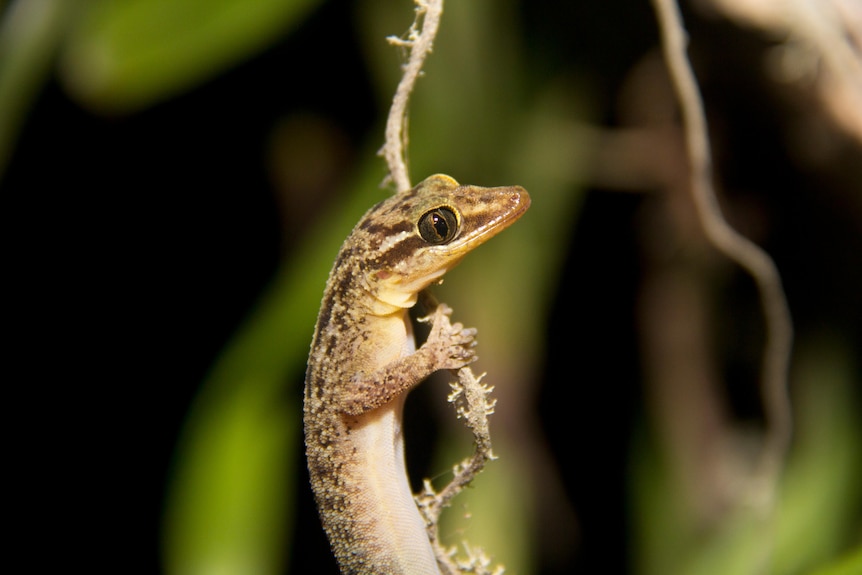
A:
{"x": 363, "y": 362}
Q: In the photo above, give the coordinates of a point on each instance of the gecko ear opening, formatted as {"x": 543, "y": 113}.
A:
{"x": 439, "y": 225}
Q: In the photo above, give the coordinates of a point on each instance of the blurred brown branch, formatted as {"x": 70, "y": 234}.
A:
{"x": 739, "y": 249}
{"x": 821, "y": 42}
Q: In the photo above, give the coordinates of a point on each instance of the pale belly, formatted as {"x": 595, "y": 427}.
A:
{"x": 385, "y": 490}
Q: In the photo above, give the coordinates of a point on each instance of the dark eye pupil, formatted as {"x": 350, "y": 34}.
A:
{"x": 438, "y": 226}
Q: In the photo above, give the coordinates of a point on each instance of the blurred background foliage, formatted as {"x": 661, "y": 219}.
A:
{"x": 177, "y": 176}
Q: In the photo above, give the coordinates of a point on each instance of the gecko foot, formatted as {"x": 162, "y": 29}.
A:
{"x": 452, "y": 346}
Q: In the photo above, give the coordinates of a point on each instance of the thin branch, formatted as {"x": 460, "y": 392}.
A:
{"x": 779, "y": 329}
{"x": 420, "y": 44}
{"x": 473, "y": 403}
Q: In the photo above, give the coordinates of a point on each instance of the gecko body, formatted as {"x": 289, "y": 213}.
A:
{"x": 363, "y": 361}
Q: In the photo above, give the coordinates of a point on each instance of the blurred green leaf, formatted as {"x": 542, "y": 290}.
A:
{"x": 850, "y": 564}
{"x": 126, "y": 54}
{"x": 822, "y": 485}
{"x": 230, "y": 499}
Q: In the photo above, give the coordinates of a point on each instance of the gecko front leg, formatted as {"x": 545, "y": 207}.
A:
{"x": 449, "y": 346}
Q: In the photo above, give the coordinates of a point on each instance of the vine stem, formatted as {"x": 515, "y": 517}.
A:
{"x": 779, "y": 328}
{"x": 420, "y": 44}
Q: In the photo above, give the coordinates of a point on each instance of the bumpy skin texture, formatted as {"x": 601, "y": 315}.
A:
{"x": 363, "y": 362}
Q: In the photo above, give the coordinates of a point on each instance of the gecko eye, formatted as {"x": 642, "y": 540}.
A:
{"x": 438, "y": 226}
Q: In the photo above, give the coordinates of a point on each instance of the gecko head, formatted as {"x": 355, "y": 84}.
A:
{"x": 417, "y": 236}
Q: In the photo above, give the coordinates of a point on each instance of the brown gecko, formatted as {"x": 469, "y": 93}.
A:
{"x": 364, "y": 361}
